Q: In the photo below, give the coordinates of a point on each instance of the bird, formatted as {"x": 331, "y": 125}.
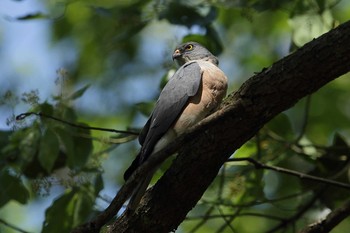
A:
{"x": 194, "y": 91}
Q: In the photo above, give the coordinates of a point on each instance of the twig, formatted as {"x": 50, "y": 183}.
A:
{"x": 253, "y": 203}
{"x": 40, "y": 114}
{"x": 214, "y": 216}
{"x": 332, "y": 219}
{"x": 301, "y": 175}
{"x": 300, "y": 213}
{"x": 203, "y": 219}
{"x": 268, "y": 216}
{"x": 228, "y": 220}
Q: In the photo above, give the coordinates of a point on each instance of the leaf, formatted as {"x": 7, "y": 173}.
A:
{"x": 66, "y": 140}
{"x": 77, "y": 144}
{"x": 46, "y": 108}
{"x": 37, "y": 15}
{"x": 48, "y": 150}
{"x": 69, "y": 114}
{"x": 69, "y": 210}
{"x": 59, "y": 216}
{"x": 82, "y": 148}
{"x": 79, "y": 92}
{"x": 12, "y": 188}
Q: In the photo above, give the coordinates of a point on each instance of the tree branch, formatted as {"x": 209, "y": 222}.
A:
{"x": 301, "y": 175}
{"x": 303, "y": 209}
{"x": 332, "y": 219}
{"x": 43, "y": 115}
{"x": 243, "y": 113}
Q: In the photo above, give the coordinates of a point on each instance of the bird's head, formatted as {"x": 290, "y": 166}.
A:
{"x": 191, "y": 51}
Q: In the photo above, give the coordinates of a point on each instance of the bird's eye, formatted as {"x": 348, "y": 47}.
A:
{"x": 189, "y": 47}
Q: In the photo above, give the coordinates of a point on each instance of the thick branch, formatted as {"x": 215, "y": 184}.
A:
{"x": 258, "y": 100}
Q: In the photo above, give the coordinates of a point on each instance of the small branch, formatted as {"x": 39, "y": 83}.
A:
{"x": 252, "y": 203}
{"x": 268, "y": 216}
{"x": 228, "y": 221}
{"x": 203, "y": 219}
{"x": 43, "y": 115}
{"x": 259, "y": 165}
{"x": 332, "y": 219}
{"x": 300, "y": 213}
{"x": 214, "y": 216}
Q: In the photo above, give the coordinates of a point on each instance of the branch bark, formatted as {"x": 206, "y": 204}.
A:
{"x": 243, "y": 113}
{"x": 332, "y": 219}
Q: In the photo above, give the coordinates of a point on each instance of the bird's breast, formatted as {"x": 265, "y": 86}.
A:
{"x": 210, "y": 94}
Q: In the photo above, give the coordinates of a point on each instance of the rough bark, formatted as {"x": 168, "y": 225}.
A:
{"x": 205, "y": 148}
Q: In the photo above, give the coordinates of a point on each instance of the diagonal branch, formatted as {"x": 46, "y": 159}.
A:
{"x": 332, "y": 219}
{"x": 206, "y": 147}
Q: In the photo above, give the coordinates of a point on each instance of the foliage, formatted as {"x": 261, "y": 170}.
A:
{"x": 312, "y": 137}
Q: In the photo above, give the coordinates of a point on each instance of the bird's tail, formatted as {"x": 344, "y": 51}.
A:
{"x": 140, "y": 190}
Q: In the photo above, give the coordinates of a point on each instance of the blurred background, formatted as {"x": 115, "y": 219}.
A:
{"x": 103, "y": 64}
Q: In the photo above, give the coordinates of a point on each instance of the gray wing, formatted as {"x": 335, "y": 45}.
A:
{"x": 172, "y": 100}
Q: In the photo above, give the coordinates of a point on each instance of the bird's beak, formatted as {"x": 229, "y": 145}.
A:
{"x": 176, "y": 54}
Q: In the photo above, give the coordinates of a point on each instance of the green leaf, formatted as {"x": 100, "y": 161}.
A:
{"x": 82, "y": 148}
{"x": 69, "y": 210}
{"x": 12, "y": 188}
{"x": 46, "y": 108}
{"x": 77, "y": 144}
{"x": 59, "y": 216}
{"x": 79, "y": 92}
{"x": 37, "y": 15}
{"x": 68, "y": 114}
{"x": 48, "y": 150}
{"x": 66, "y": 140}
